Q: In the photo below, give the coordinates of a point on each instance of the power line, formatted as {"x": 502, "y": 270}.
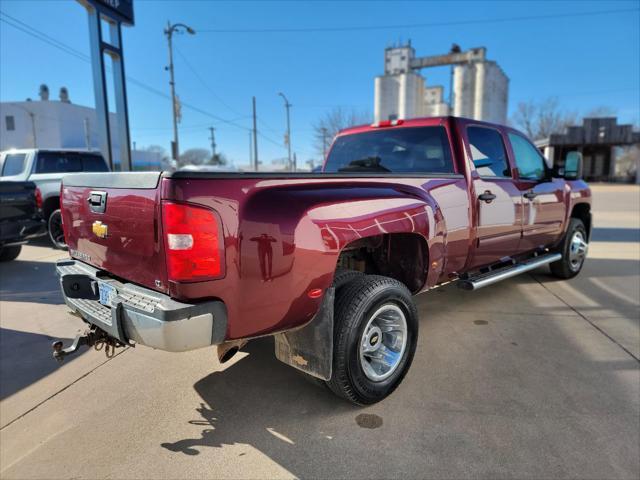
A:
{"x": 206, "y": 85}
{"x": 414, "y": 25}
{"x": 19, "y": 25}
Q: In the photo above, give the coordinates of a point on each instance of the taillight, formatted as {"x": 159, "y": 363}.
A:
{"x": 193, "y": 242}
{"x": 38, "y": 198}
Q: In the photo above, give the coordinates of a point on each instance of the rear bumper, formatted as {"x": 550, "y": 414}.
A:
{"x": 139, "y": 314}
{"x": 13, "y": 233}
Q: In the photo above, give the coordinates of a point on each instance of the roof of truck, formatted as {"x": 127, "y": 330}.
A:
{"x": 413, "y": 122}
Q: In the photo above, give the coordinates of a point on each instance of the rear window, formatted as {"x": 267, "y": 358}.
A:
{"x": 401, "y": 150}
{"x": 488, "y": 153}
{"x": 67, "y": 162}
{"x": 13, "y": 164}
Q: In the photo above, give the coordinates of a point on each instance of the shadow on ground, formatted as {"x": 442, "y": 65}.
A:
{"x": 30, "y": 281}
{"x": 513, "y": 391}
{"x": 25, "y": 358}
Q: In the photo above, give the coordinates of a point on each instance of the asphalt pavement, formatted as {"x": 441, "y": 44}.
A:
{"x": 530, "y": 378}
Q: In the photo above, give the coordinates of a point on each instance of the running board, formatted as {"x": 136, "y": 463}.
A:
{"x": 489, "y": 278}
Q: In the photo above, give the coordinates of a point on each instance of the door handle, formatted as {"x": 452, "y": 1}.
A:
{"x": 530, "y": 195}
{"x": 487, "y": 196}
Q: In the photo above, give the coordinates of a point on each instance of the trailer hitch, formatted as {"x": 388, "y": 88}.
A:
{"x": 94, "y": 337}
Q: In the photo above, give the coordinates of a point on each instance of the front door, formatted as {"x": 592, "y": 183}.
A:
{"x": 498, "y": 202}
{"x": 542, "y": 196}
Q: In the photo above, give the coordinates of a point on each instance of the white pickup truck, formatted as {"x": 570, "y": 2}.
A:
{"x": 45, "y": 168}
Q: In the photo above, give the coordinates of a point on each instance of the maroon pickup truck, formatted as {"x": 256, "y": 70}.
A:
{"x": 325, "y": 262}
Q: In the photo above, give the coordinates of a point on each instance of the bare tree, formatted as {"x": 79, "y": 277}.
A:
{"x": 218, "y": 159}
{"x": 539, "y": 120}
{"x": 194, "y": 156}
{"x": 338, "y": 118}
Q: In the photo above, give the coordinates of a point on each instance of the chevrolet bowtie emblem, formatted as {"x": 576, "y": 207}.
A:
{"x": 100, "y": 229}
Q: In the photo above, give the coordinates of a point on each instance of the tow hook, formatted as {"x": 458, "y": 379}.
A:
{"x": 96, "y": 338}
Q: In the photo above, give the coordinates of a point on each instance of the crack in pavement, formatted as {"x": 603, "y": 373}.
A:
{"x": 585, "y": 318}
{"x": 62, "y": 389}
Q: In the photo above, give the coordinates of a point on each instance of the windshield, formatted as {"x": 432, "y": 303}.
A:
{"x": 404, "y": 150}
{"x": 65, "y": 162}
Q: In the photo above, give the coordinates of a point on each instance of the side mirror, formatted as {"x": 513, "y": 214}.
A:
{"x": 573, "y": 166}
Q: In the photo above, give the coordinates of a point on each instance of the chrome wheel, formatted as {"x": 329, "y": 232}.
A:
{"x": 383, "y": 342}
{"x": 577, "y": 250}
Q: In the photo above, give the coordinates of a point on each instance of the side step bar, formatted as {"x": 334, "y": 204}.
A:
{"x": 495, "y": 276}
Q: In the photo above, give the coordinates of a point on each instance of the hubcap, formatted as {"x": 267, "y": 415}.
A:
{"x": 577, "y": 250}
{"x": 383, "y": 342}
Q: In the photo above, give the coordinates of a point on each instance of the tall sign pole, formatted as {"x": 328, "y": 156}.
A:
{"x": 115, "y": 14}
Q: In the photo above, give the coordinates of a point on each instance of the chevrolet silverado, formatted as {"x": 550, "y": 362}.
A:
{"x": 325, "y": 262}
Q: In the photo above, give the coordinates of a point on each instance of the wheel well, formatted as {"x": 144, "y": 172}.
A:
{"x": 50, "y": 205}
{"x": 403, "y": 256}
{"x": 583, "y": 212}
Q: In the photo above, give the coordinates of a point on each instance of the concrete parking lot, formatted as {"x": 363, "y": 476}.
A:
{"x": 530, "y": 378}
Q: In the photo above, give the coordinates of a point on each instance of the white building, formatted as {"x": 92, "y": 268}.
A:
{"x": 480, "y": 91}
{"x": 60, "y": 124}
{"x": 480, "y": 87}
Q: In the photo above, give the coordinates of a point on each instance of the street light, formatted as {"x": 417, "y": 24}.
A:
{"x": 287, "y": 105}
{"x": 169, "y": 31}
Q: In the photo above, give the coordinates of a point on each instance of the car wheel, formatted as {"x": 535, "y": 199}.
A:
{"x": 56, "y": 233}
{"x": 9, "y": 253}
{"x": 375, "y": 335}
{"x": 574, "y": 251}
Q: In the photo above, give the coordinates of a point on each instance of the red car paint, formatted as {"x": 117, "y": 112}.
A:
{"x": 283, "y": 233}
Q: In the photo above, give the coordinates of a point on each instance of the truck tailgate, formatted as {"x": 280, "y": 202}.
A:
{"x": 114, "y": 228}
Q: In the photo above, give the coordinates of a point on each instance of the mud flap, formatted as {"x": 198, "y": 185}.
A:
{"x": 310, "y": 348}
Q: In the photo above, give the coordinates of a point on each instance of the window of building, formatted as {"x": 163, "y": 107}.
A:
{"x": 487, "y": 152}
{"x": 13, "y": 164}
{"x": 10, "y": 122}
{"x": 401, "y": 150}
{"x": 530, "y": 163}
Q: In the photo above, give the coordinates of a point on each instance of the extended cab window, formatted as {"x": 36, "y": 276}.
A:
{"x": 401, "y": 150}
{"x": 13, "y": 164}
{"x": 66, "y": 162}
{"x": 529, "y": 162}
{"x": 488, "y": 153}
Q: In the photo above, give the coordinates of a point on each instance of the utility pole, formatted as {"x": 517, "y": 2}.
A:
{"x": 324, "y": 144}
{"x": 287, "y": 106}
{"x": 256, "y": 162}
{"x": 213, "y": 141}
{"x": 170, "y": 30}
{"x": 250, "y": 147}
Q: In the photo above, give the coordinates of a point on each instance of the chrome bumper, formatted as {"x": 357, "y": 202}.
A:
{"x": 139, "y": 314}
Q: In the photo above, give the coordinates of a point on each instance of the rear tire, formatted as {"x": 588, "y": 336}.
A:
{"x": 375, "y": 336}
{"x": 56, "y": 233}
{"x": 9, "y": 253}
{"x": 573, "y": 248}
{"x": 344, "y": 276}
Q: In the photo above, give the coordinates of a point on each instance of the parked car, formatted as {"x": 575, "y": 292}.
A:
{"x": 45, "y": 168}
{"x": 20, "y": 217}
{"x": 325, "y": 262}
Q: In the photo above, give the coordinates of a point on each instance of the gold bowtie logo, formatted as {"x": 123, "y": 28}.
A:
{"x": 100, "y": 229}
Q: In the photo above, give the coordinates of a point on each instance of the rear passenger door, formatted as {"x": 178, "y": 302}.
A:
{"x": 543, "y": 196}
{"x": 498, "y": 202}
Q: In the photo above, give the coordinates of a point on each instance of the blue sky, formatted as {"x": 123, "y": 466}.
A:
{"x": 585, "y": 61}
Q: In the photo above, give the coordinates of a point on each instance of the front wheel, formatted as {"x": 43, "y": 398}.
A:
{"x": 376, "y": 331}
{"x": 56, "y": 233}
{"x": 574, "y": 251}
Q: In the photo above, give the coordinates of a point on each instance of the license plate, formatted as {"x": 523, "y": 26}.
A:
{"x": 107, "y": 293}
